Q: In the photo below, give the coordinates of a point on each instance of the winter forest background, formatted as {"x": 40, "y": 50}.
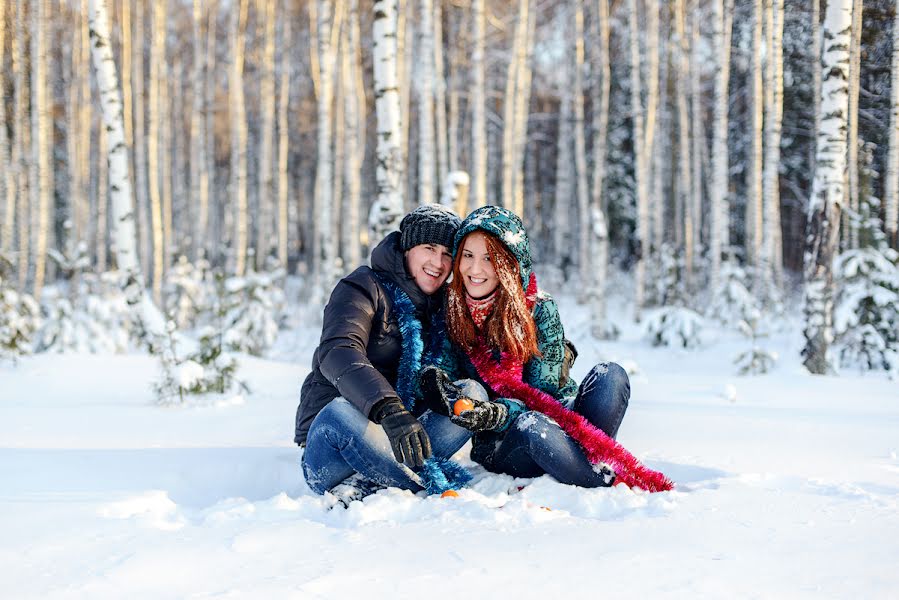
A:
{"x": 718, "y": 160}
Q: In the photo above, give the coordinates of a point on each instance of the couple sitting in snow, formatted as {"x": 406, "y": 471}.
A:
{"x": 399, "y": 349}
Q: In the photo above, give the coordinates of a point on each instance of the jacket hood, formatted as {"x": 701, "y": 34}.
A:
{"x": 507, "y": 227}
{"x": 389, "y": 260}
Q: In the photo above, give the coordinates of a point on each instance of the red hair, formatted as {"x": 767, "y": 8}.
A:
{"x": 510, "y": 327}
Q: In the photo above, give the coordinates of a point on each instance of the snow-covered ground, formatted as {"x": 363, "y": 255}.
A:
{"x": 787, "y": 487}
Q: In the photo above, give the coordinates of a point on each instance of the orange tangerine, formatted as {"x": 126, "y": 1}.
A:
{"x": 462, "y": 404}
{"x": 450, "y": 494}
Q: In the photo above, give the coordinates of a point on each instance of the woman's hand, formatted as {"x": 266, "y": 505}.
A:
{"x": 484, "y": 416}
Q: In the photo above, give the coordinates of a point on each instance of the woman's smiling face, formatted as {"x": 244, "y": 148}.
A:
{"x": 478, "y": 274}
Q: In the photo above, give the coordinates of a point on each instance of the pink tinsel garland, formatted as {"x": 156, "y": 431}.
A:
{"x": 505, "y": 377}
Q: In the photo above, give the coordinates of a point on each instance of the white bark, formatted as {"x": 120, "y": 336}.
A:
{"x": 354, "y": 111}
{"x": 773, "y": 260}
{"x": 102, "y": 196}
{"x": 405, "y": 53}
{"x": 23, "y": 137}
{"x": 7, "y": 217}
{"x": 145, "y": 228}
{"x": 41, "y": 135}
{"x": 892, "y": 176}
{"x": 685, "y": 179}
{"x": 580, "y": 155}
{"x": 283, "y": 104}
{"x": 754, "y": 206}
{"x": 697, "y": 122}
{"x": 209, "y": 85}
{"x": 522, "y": 104}
{"x": 564, "y": 196}
{"x": 439, "y": 96}
{"x": 816, "y": 73}
{"x": 238, "y": 135}
{"x": 266, "y": 174}
{"x": 387, "y": 209}
{"x": 125, "y": 242}
{"x": 153, "y": 136}
{"x": 516, "y": 65}
{"x": 424, "y": 84}
{"x": 478, "y": 107}
{"x": 828, "y": 189}
{"x": 599, "y": 234}
{"x": 850, "y": 233}
{"x": 722, "y": 21}
{"x": 199, "y": 174}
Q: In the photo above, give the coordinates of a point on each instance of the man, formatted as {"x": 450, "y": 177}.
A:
{"x": 351, "y": 418}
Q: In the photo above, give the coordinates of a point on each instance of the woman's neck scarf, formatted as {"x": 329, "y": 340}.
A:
{"x": 438, "y": 474}
{"x": 480, "y": 308}
{"x": 505, "y": 377}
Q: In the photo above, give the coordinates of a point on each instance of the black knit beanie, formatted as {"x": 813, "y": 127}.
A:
{"x": 429, "y": 224}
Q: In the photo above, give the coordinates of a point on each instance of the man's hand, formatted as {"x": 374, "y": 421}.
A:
{"x": 438, "y": 391}
{"x": 409, "y": 440}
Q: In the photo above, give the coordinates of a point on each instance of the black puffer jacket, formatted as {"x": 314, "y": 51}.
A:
{"x": 360, "y": 347}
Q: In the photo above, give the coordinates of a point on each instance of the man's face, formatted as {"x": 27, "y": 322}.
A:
{"x": 429, "y": 265}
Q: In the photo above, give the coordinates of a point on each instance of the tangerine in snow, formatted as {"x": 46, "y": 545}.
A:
{"x": 450, "y": 494}
{"x": 462, "y": 404}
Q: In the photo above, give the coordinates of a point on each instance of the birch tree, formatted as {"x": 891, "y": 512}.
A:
{"x": 580, "y": 154}
{"x": 141, "y": 183}
{"x": 684, "y": 179}
{"x": 23, "y": 137}
{"x": 238, "y": 135}
{"x": 387, "y": 209}
{"x": 199, "y": 173}
{"x": 754, "y": 206}
{"x": 283, "y": 103}
{"x": 325, "y": 250}
{"x": 828, "y": 193}
{"x": 522, "y": 103}
{"x": 125, "y": 245}
{"x": 102, "y": 196}
{"x": 849, "y": 224}
{"x": 722, "y": 22}
{"x": 6, "y": 181}
{"x": 599, "y": 234}
{"x": 265, "y": 180}
{"x": 478, "y": 107}
{"x": 41, "y": 120}
{"x": 510, "y": 134}
{"x": 562, "y": 206}
{"x": 157, "y": 50}
{"x": 209, "y": 85}
{"x": 354, "y": 111}
{"x": 424, "y": 84}
{"x": 892, "y": 173}
{"x": 772, "y": 252}
{"x": 439, "y": 96}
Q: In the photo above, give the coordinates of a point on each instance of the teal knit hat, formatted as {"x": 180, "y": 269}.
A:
{"x": 507, "y": 227}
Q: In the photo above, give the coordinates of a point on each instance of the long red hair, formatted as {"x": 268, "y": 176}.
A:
{"x": 510, "y": 327}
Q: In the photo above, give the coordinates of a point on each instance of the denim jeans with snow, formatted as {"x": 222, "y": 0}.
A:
{"x": 535, "y": 445}
{"x": 342, "y": 441}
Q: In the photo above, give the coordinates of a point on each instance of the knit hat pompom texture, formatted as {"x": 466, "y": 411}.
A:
{"x": 508, "y": 229}
{"x": 429, "y": 224}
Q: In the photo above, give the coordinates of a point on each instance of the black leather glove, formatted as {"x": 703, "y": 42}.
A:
{"x": 438, "y": 391}
{"x": 485, "y": 416}
{"x": 409, "y": 440}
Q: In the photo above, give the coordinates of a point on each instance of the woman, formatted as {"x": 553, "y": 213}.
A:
{"x": 358, "y": 412}
{"x": 539, "y": 420}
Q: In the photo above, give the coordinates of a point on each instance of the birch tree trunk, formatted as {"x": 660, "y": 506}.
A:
{"x": 387, "y": 209}
{"x": 283, "y": 104}
{"x": 816, "y": 73}
{"x": 145, "y": 227}
{"x": 169, "y": 76}
{"x": 754, "y": 206}
{"x": 424, "y": 84}
{"x": 522, "y": 104}
{"x": 41, "y": 134}
{"x": 325, "y": 244}
{"x": 850, "y": 226}
{"x": 773, "y": 255}
{"x": 661, "y": 159}
{"x": 354, "y": 145}
{"x": 580, "y": 156}
{"x": 209, "y": 84}
{"x": 478, "y": 108}
{"x": 685, "y": 180}
{"x": 599, "y": 234}
{"x": 125, "y": 244}
{"x": 75, "y": 138}
{"x": 440, "y": 96}
{"x": 405, "y": 36}
{"x": 238, "y": 136}
{"x": 199, "y": 173}
{"x": 102, "y": 196}
{"x": 564, "y": 196}
{"x": 153, "y": 134}
{"x": 828, "y": 187}
{"x": 7, "y": 217}
{"x": 23, "y": 141}
{"x": 722, "y": 21}
{"x": 516, "y": 60}
{"x": 697, "y": 122}
{"x": 892, "y": 180}
{"x": 266, "y": 175}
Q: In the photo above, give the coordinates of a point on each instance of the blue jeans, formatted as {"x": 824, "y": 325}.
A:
{"x": 342, "y": 441}
{"x": 535, "y": 445}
